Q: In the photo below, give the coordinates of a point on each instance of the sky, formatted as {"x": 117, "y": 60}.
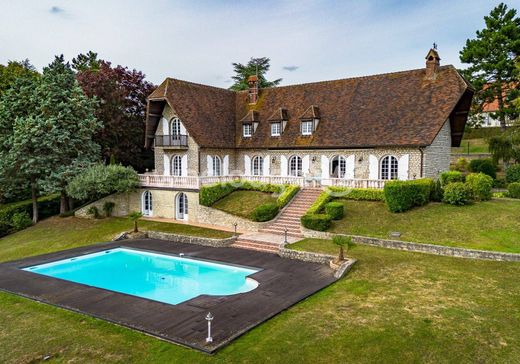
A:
{"x": 306, "y": 40}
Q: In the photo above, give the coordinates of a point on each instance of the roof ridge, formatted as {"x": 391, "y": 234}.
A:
{"x": 199, "y": 84}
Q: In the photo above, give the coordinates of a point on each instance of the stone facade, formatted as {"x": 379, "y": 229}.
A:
{"x": 437, "y": 155}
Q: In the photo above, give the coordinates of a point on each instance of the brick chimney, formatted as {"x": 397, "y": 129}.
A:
{"x": 252, "y": 82}
{"x": 432, "y": 63}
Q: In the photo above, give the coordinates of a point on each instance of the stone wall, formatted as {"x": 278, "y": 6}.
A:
{"x": 208, "y": 215}
{"x": 176, "y": 238}
{"x": 419, "y": 247}
{"x": 305, "y": 256}
{"x": 437, "y": 155}
{"x": 124, "y": 203}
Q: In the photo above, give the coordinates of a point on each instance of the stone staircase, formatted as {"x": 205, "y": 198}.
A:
{"x": 290, "y": 216}
{"x": 270, "y": 238}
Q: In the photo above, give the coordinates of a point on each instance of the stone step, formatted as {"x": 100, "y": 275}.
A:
{"x": 281, "y": 231}
{"x": 258, "y": 246}
{"x": 288, "y": 220}
{"x": 257, "y": 242}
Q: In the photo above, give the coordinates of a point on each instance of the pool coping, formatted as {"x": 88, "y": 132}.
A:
{"x": 282, "y": 283}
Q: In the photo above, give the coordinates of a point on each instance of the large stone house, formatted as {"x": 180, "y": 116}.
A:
{"x": 357, "y": 132}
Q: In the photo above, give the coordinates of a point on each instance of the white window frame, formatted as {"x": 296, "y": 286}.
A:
{"x": 389, "y": 168}
{"x": 247, "y": 130}
{"x": 176, "y": 166}
{"x": 147, "y": 203}
{"x": 175, "y": 128}
{"x": 276, "y": 129}
{"x": 181, "y": 206}
{"x": 307, "y": 127}
{"x": 342, "y": 166}
{"x": 217, "y": 165}
{"x": 257, "y": 166}
{"x": 295, "y": 166}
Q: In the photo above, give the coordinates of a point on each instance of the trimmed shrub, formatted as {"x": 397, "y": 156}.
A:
{"x": 108, "y": 207}
{"x": 457, "y": 193}
{"x": 319, "y": 222}
{"x": 334, "y": 210}
{"x": 436, "y": 191}
{"x": 208, "y": 195}
{"x": 358, "y": 194}
{"x": 21, "y": 220}
{"x": 513, "y": 190}
{"x": 513, "y": 173}
{"x": 485, "y": 166}
{"x": 401, "y": 196}
{"x": 265, "y": 212}
{"x": 450, "y": 177}
{"x": 461, "y": 165}
{"x": 481, "y": 185}
{"x": 288, "y": 193}
{"x": 320, "y": 202}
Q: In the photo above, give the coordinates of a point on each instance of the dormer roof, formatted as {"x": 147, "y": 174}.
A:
{"x": 250, "y": 117}
{"x": 279, "y": 114}
{"x": 312, "y": 112}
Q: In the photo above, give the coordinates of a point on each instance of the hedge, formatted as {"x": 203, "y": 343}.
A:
{"x": 334, "y": 210}
{"x": 265, "y": 212}
{"x": 480, "y": 185}
{"x": 485, "y": 166}
{"x": 513, "y": 173}
{"x": 208, "y": 195}
{"x": 358, "y": 194}
{"x": 287, "y": 195}
{"x": 457, "y": 193}
{"x": 320, "y": 202}
{"x": 450, "y": 177}
{"x": 401, "y": 196}
{"x": 319, "y": 222}
{"x": 513, "y": 190}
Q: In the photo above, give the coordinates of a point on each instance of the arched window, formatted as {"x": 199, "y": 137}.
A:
{"x": 181, "y": 206}
{"x": 388, "y": 167}
{"x": 338, "y": 167}
{"x": 295, "y": 166}
{"x": 175, "y": 128}
{"x": 177, "y": 166}
{"x": 146, "y": 203}
{"x": 257, "y": 166}
{"x": 217, "y": 166}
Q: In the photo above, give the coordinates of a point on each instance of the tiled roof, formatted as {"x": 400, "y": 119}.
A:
{"x": 394, "y": 109}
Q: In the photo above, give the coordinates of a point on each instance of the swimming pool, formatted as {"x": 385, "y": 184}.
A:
{"x": 160, "y": 277}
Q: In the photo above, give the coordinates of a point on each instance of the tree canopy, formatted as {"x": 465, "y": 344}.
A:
{"x": 254, "y": 66}
{"x": 491, "y": 58}
{"x": 121, "y": 94}
{"x": 13, "y": 71}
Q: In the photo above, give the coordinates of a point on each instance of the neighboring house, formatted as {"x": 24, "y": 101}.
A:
{"x": 357, "y": 132}
{"x": 486, "y": 119}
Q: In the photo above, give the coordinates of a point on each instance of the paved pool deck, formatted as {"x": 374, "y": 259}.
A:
{"x": 282, "y": 283}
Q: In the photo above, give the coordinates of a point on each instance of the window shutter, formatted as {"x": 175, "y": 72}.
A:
{"x": 166, "y": 165}
{"x": 165, "y": 127}
{"x": 373, "y": 167}
{"x": 209, "y": 160}
{"x": 283, "y": 166}
{"x": 325, "y": 167}
{"x": 183, "y": 128}
{"x": 305, "y": 165}
{"x": 266, "y": 166}
{"x": 349, "y": 166}
{"x": 402, "y": 169}
{"x": 184, "y": 165}
{"x": 247, "y": 165}
{"x": 225, "y": 170}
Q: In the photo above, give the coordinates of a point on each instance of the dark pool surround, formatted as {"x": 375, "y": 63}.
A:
{"x": 282, "y": 283}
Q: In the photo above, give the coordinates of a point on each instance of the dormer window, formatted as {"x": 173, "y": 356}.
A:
{"x": 276, "y": 129}
{"x": 307, "y": 127}
{"x": 247, "y": 130}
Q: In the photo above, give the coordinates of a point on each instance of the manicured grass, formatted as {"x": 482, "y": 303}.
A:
{"x": 475, "y": 146}
{"x": 242, "y": 203}
{"x": 490, "y": 225}
{"x": 393, "y": 307}
{"x": 58, "y": 233}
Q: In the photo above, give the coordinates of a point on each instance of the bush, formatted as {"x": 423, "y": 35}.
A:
{"x": 481, "y": 185}
{"x": 436, "y": 191}
{"x": 358, "y": 194}
{"x": 94, "y": 212}
{"x": 5, "y": 228}
{"x": 334, "y": 210}
{"x": 320, "y": 202}
{"x": 265, "y": 212}
{"x": 288, "y": 193}
{"x": 401, "y": 196}
{"x": 102, "y": 180}
{"x": 457, "y": 193}
{"x": 208, "y": 195}
{"x": 319, "y": 222}
{"x": 461, "y": 165}
{"x": 513, "y": 173}
{"x": 108, "y": 207}
{"x": 499, "y": 183}
{"x": 21, "y": 220}
{"x": 513, "y": 190}
{"x": 47, "y": 206}
{"x": 485, "y": 166}
{"x": 450, "y": 176}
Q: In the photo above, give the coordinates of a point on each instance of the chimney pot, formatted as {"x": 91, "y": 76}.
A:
{"x": 432, "y": 64}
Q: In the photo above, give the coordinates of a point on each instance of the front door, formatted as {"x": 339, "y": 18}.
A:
{"x": 182, "y": 207}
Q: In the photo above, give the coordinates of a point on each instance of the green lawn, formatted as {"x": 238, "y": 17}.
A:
{"x": 242, "y": 203}
{"x": 490, "y": 225}
{"x": 475, "y": 146}
{"x": 58, "y": 233}
{"x": 393, "y": 307}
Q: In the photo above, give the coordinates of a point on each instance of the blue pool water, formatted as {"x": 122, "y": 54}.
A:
{"x": 155, "y": 276}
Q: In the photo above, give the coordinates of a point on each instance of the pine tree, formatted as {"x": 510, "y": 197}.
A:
{"x": 255, "y": 66}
